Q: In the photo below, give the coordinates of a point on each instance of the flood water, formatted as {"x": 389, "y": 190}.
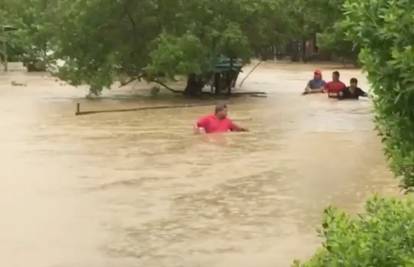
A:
{"x": 139, "y": 189}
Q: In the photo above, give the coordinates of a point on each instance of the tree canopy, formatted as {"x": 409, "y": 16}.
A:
{"x": 100, "y": 40}
{"x": 156, "y": 38}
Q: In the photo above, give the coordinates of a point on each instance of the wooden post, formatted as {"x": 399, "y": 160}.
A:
{"x": 230, "y": 76}
{"x": 4, "y": 48}
{"x": 77, "y": 109}
{"x": 6, "y": 60}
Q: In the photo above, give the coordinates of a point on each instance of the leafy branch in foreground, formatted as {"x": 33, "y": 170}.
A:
{"x": 382, "y": 236}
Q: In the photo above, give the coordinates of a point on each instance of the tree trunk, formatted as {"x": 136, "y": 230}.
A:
{"x": 295, "y": 51}
{"x": 230, "y": 77}
{"x": 304, "y": 50}
{"x": 217, "y": 83}
{"x": 194, "y": 86}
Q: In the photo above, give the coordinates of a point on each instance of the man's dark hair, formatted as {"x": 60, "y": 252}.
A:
{"x": 354, "y": 80}
{"x": 220, "y": 107}
{"x": 336, "y": 73}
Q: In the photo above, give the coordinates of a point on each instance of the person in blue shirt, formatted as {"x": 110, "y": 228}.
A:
{"x": 316, "y": 85}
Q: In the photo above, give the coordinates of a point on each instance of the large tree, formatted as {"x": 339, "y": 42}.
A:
{"x": 101, "y": 40}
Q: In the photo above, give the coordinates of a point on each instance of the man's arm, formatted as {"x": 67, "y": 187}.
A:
{"x": 307, "y": 88}
{"x": 341, "y": 95}
{"x": 310, "y": 90}
{"x": 362, "y": 93}
{"x": 199, "y": 130}
{"x": 323, "y": 87}
{"x": 345, "y": 94}
{"x": 326, "y": 87}
{"x": 200, "y": 126}
{"x": 319, "y": 90}
{"x": 235, "y": 128}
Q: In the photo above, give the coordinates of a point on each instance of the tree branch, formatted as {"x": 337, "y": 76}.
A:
{"x": 130, "y": 18}
{"x": 167, "y": 87}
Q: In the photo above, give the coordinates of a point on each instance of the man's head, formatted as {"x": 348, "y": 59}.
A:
{"x": 221, "y": 111}
{"x": 335, "y": 76}
{"x": 354, "y": 83}
{"x": 317, "y": 75}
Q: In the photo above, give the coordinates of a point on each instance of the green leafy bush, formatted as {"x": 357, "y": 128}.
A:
{"x": 384, "y": 30}
{"x": 382, "y": 237}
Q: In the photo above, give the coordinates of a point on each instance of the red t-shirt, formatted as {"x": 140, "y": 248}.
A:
{"x": 335, "y": 87}
{"x": 212, "y": 124}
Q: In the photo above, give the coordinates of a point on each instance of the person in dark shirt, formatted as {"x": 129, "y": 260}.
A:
{"x": 316, "y": 85}
{"x": 352, "y": 92}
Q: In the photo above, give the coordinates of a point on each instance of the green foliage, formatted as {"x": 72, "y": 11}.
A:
{"x": 321, "y": 17}
{"x": 34, "y": 22}
{"x": 383, "y": 29}
{"x": 333, "y": 41}
{"x": 383, "y": 236}
{"x": 326, "y": 18}
{"x": 177, "y": 55}
{"x": 99, "y": 41}
{"x": 158, "y": 38}
{"x": 233, "y": 43}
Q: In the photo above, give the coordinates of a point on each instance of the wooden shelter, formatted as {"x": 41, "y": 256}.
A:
{"x": 225, "y": 75}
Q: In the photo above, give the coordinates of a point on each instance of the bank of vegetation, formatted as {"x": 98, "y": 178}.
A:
{"x": 384, "y": 234}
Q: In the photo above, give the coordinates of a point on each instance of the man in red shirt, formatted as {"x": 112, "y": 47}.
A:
{"x": 333, "y": 88}
{"x": 217, "y": 122}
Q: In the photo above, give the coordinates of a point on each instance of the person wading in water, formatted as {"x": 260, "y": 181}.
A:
{"x": 316, "y": 85}
{"x": 352, "y": 92}
{"x": 217, "y": 122}
{"x": 335, "y": 86}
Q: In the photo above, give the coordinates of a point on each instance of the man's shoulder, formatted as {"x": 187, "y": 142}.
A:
{"x": 206, "y": 117}
{"x": 337, "y": 84}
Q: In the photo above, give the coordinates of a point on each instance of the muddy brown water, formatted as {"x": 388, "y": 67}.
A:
{"x": 138, "y": 189}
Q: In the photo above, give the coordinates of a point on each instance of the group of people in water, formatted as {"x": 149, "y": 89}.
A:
{"x": 335, "y": 88}
{"x": 220, "y": 123}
